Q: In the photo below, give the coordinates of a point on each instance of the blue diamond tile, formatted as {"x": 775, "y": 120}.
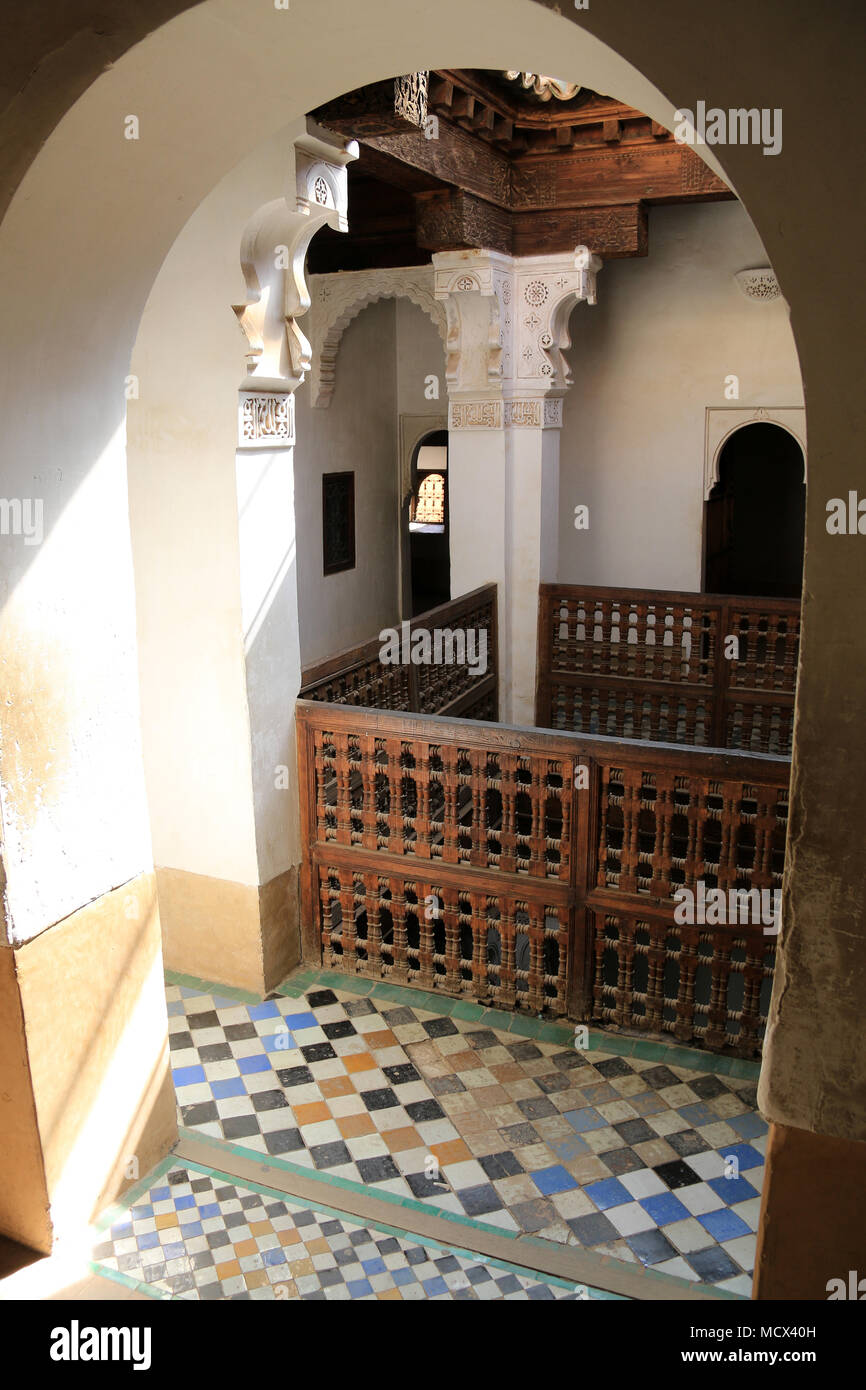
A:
{"x": 746, "y": 1156}
{"x": 555, "y": 1179}
{"x": 253, "y": 1064}
{"x": 233, "y": 1086}
{"x": 582, "y": 1120}
{"x": 732, "y": 1190}
{"x": 608, "y": 1193}
{"x": 188, "y": 1076}
{"x": 724, "y": 1224}
{"x": 664, "y": 1208}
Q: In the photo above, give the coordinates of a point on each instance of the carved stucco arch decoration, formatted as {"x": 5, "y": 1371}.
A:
{"x": 723, "y": 422}
{"x": 338, "y": 298}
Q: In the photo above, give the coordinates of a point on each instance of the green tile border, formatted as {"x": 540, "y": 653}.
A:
{"x": 521, "y": 1025}
{"x": 412, "y": 1203}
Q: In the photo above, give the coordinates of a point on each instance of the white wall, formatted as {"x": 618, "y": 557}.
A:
{"x": 420, "y": 354}
{"x": 647, "y": 361}
{"x": 358, "y": 431}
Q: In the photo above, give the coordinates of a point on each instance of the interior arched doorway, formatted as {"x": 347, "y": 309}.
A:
{"x": 755, "y": 518}
{"x": 429, "y": 556}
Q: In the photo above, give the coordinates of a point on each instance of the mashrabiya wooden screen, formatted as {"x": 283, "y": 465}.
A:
{"x": 536, "y": 870}
{"x": 358, "y": 677}
{"x": 653, "y": 665}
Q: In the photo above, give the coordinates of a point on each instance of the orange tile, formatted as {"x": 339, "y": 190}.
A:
{"x": 289, "y": 1237}
{"x": 488, "y": 1096}
{"x": 353, "y": 1126}
{"x": 464, "y": 1061}
{"x": 452, "y": 1151}
{"x": 227, "y": 1269}
{"x": 336, "y": 1086}
{"x": 390, "y": 1294}
{"x": 358, "y": 1061}
{"x": 260, "y": 1228}
{"x": 246, "y": 1247}
{"x": 256, "y": 1278}
{"x": 380, "y": 1040}
{"x": 311, "y": 1114}
{"x": 507, "y": 1071}
{"x": 169, "y": 1219}
{"x": 319, "y": 1246}
{"x": 300, "y": 1267}
{"x": 399, "y": 1140}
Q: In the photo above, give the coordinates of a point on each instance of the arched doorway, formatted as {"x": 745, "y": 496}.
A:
{"x": 754, "y": 525}
{"x": 429, "y": 555}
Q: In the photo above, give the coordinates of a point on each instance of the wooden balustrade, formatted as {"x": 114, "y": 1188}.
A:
{"x": 448, "y": 687}
{"x": 661, "y": 666}
{"x": 535, "y": 869}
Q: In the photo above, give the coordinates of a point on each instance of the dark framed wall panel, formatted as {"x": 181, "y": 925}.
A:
{"x": 338, "y": 522}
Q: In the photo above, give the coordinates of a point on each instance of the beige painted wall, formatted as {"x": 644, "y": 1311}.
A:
{"x": 357, "y": 431}
{"x": 648, "y": 359}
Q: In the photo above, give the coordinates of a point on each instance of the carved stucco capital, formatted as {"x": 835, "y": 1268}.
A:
{"x": 273, "y": 254}
{"x": 508, "y": 319}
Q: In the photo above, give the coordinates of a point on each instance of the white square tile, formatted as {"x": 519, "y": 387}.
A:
{"x": 630, "y": 1218}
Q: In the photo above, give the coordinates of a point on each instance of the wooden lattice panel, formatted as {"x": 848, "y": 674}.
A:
{"x": 701, "y": 984}
{"x": 444, "y": 685}
{"x": 663, "y": 667}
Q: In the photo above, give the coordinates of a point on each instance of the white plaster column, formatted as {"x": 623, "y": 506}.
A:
{"x": 507, "y": 323}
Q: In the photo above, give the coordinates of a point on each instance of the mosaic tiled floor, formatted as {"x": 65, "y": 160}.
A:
{"x": 193, "y": 1235}
{"x": 620, "y": 1154}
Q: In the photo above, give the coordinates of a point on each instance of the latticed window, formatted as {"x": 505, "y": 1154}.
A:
{"x": 430, "y": 500}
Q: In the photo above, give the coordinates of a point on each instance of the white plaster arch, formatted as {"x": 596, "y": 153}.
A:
{"x": 722, "y": 422}
{"x": 338, "y": 298}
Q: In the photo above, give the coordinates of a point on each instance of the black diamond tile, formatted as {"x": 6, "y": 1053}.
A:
{"x": 416, "y": 1255}
{"x": 447, "y": 1264}
{"x": 204, "y": 1113}
{"x": 567, "y": 1061}
{"x": 482, "y": 1038}
{"x": 180, "y": 1175}
{"x": 331, "y": 1228}
{"x": 379, "y": 1169}
{"x": 635, "y": 1131}
{"x": 341, "y": 1029}
{"x": 556, "y": 1081}
{"x": 537, "y": 1108}
{"x": 329, "y": 1277}
{"x": 201, "y": 1185}
{"x": 215, "y": 1052}
{"x": 478, "y": 1275}
{"x": 612, "y": 1066}
{"x": 651, "y": 1247}
{"x": 523, "y": 1051}
{"x": 480, "y": 1200}
{"x": 422, "y": 1186}
{"x": 202, "y": 1259}
{"x": 251, "y": 1201}
{"x": 318, "y": 1052}
{"x": 748, "y": 1095}
{"x": 234, "y": 1219}
{"x": 304, "y": 1218}
{"x": 217, "y": 1239}
{"x": 677, "y": 1174}
{"x": 356, "y": 1008}
{"x": 268, "y": 1100}
{"x": 439, "y": 1027}
{"x": 621, "y": 1161}
{"x": 519, "y": 1135}
{"x": 419, "y": 1110}
{"x": 401, "y": 1075}
{"x": 388, "y": 1246}
{"x": 361, "y": 1238}
{"x": 534, "y": 1216}
{"x": 659, "y": 1077}
{"x": 295, "y": 1076}
{"x": 508, "y": 1283}
{"x": 207, "y": 1019}
{"x": 540, "y": 1293}
{"x": 395, "y": 1017}
{"x": 594, "y": 1229}
{"x": 320, "y": 997}
{"x": 240, "y": 1032}
{"x": 176, "y": 1041}
{"x": 501, "y": 1165}
{"x": 330, "y": 1155}
{"x": 276, "y": 1209}
{"x": 211, "y": 1293}
{"x": 687, "y": 1142}
{"x": 381, "y": 1099}
{"x": 283, "y": 1141}
{"x": 713, "y": 1264}
{"x": 240, "y": 1126}
{"x": 708, "y": 1087}
{"x": 346, "y": 1256}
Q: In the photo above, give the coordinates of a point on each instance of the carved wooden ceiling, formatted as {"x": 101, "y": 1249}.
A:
{"x": 455, "y": 159}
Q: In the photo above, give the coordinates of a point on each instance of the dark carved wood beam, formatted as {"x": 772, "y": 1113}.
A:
{"x": 454, "y": 220}
{"x": 383, "y": 108}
